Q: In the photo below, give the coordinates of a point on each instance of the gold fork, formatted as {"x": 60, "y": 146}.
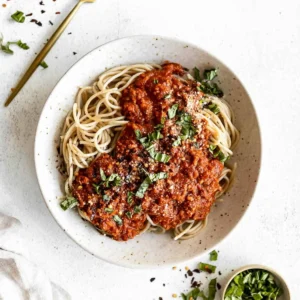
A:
{"x": 45, "y": 50}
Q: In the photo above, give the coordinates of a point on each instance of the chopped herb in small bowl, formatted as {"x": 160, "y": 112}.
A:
{"x": 256, "y": 282}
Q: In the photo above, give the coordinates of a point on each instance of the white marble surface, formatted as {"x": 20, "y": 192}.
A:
{"x": 259, "y": 40}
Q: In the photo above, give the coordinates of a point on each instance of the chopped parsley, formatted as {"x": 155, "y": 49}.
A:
{"x": 253, "y": 284}
{"x": 214, "y": 108}
{"x": 213, "y": 255}
{"x": 217, "y": 153}
{"x": 108, "y": 209}
{"x": 155, "y": 81}
{"x": 172, "y": 111}
{"x": 18, "y": 16}
{"x": 167, "y": 96}
{"x": 44, "y": 64}
{"x": 147, "y": 181}
{"x": 69, "y": 202}
{"x": 177, "y": 142}
{"x": 105, "y": 197}
{"x": 197, "y": 74}
{"x": 210, "y": 74}
{"x": 96, "y": 188}
{"x": 207, "y": 268}
{"x": 117, "y": 219}
{"x": 188, "y": 130}
{"x": 128, "y": 214}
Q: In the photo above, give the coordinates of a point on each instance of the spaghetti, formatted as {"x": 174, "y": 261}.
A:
{"x": 94, "y": 124}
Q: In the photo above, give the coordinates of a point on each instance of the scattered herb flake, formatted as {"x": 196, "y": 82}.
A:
{"x": 207, "y": 268}
{"x": 213, "y": 256}
{"x": 108, "y": 209}
{"x": 69, "y": 202}
{"x": 44, "y": 65}
{"x": 172, "y": 111}
{"x": 18, "y": 16}
{"x": 117, "y": 219}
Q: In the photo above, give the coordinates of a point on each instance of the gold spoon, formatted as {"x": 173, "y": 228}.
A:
{"x": 45, "y": 50}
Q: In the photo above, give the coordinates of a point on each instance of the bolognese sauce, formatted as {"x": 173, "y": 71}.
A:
{"x": 161, "y": 166}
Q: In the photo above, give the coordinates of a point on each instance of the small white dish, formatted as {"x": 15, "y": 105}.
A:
{"x": 148, "y": 250}
{"x": 278, "y": 279}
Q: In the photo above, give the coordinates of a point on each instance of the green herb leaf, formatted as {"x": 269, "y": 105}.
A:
{"x": 117, "y": 219}
{"x": 177, "y": 142}
{"x": 69, "y": 202}
{"x": 147, "y": 181}
{"x": 213, "y": 255}
{"x": 137, "y": 209}
{"x": 97, "y": 188}
{"x": 129, "y": 197}
{"x": 108, "y": 209}
{"x": 210, "y": 74}
{"x": 114, "y": 179}
{"x": 191, "y": 295}
{"x": 155, "y": 81}
{"x": 188, "y": 130}
{"x": 214, "y": 108}
{"x": 105, "y": 197}
{"x": 138, "y": 134}
{"x": 22, "y": 45}
{"x": 158, "y": 156}
{"x": 128, "y": 214}
{"x": 211, "y": 88}
{"x": 167, "y": 96}
{"x": 207, "y": 268}
{"x": 172, "y": 111}
{"x": 197, "y": 74}
{"x": 18, "y": 16}
{"x": 44, "y": 65}
{"x": 212, "y": 289}
{"x": 6, "y": 49}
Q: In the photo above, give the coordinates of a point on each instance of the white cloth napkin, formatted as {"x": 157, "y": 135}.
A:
{"x": 19, "y": 278}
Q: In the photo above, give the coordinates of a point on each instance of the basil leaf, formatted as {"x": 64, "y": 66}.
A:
{"x": 207, "y": 268}
{"x": 69, "y": 202}
{"x": 211, "y": 88}
{"x": 108, "y": 209}
{"x": 115, "y": 180}
{"x": 22, "y": 45}
{"x": 197, "y": 74}
{"x": 172, "y": 111}
{"x": 18, "y": 16}
{"x": 138, "y": 134}
{"x": 191, "y": 295}
{"x": 117, "y": 219}
{"x": 188, "y": 130}
{"x": 212, "y": 289}
{"x": 147, "y": 181}
{"x": 210, "y": 74}
{"x": 158, "y": 156}
{"x": 105, "y": 197}
{"x": 213, "y": 255}
{"x": 214, "y": 108}
{"x": 155, "y": 81}
{"x": 177, "y": 142}
{"x": 97, "y": 188}
{"x": 128, "y": 214}
{"x": 129, "y": 197}
{"x": 137, "y": 209}
{"x": 6, "y": 49}
{"x": 44, "y": 65}
{"x": 167, "y": 96}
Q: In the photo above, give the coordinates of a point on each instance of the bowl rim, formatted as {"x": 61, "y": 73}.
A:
{"x": 178, "y": 261}
{"x": 262, "y": 267}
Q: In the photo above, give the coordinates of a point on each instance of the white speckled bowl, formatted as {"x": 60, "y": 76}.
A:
{"x": 147, "y": 250}
{"x": 278, "y": 279}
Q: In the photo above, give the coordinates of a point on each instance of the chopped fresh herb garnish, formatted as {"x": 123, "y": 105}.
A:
{"x": 167, "y": 96}
{"x": 18, "y": 16}
{"x": 137, "y": 209}
{"x": 212, "y": 289}
{"x": 147, "y": 181}
{"x": 177, "y": 142}
{"x": 213, "y": 255}
{"x": 162, "y": 120}
{"x": 253, "y": 284}
{"x": 105, "y": 197}
{"x": 109, "y": 210}
{"x": 211, "y": 88}
{"x": 214, "y": 108}
{"x": 129, "y": 197}
{"x": 155, "y": 81}
{"x": 217, "y": 153}
{"x": 158, "y": 156}
{"x": 114, "y": 179}
{"x": 197, "y": 74}
{"x": 117, "y": 219}
{"x": 192, "y": 295}
{"x": 6, "y": 48}
{"x": 96, "y": 188}
{"x": 44, "y": 65}
{"x": 207, "y": 268}
{"x": 128, "y": 214}
{"x": 188, "y": 130}
{"x": 172, "y": 111}
{"x": 69, "y": 202}
{"x": 210, "y": 74}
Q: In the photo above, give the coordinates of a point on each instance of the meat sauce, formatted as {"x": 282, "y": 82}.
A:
{"x": 192, "y": 173}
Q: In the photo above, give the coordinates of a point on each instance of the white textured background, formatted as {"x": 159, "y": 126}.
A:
{"x": 259, "y": 40}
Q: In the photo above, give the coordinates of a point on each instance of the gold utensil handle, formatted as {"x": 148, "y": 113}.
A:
{"x": 45, "y": 51}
